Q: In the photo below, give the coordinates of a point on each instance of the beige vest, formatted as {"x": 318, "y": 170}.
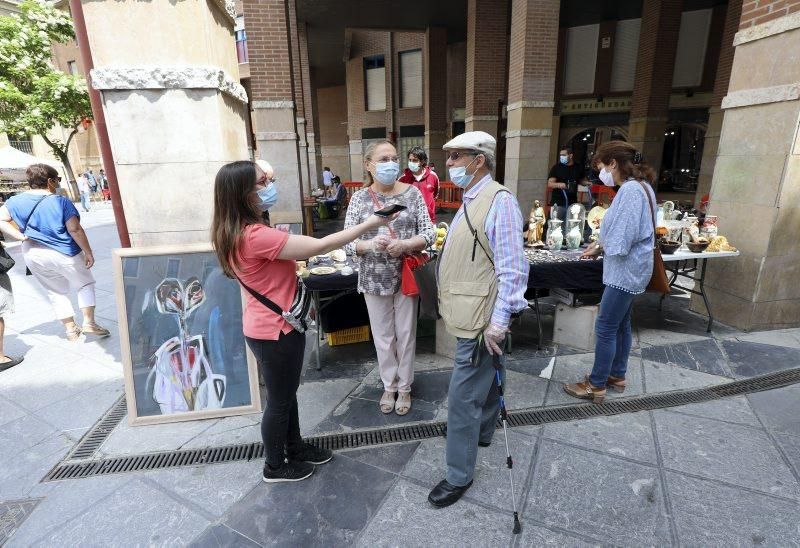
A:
{"x": 467, "y": 284}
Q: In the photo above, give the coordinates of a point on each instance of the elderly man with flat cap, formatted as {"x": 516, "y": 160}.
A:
{"x": 482, "y": 274}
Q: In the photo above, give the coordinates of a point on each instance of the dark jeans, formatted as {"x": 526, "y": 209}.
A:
{"x": 281, "y": 363}
{"x": 612, "y": 336}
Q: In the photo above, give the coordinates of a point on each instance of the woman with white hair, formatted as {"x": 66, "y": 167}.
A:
{"x": 266, "y": 175}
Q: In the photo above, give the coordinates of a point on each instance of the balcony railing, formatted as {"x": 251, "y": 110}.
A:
{"x": 24, "y": 146}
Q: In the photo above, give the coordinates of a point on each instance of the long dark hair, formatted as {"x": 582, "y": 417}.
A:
{"x": 629, "y": 161}
{"x": 232, "y": 211}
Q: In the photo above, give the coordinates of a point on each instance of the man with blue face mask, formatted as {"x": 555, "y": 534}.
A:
{"x": 563, "y": 180}
{"x": 482, "y": 277}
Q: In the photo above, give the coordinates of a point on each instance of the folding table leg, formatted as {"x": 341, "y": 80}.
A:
{"x": 705, "y": 297}
{"x": 538, "y": 318}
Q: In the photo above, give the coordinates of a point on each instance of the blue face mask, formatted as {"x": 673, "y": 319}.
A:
{"x": 267, "y": 196}
{"x": 564, "y": 159}
{"x": 460, "y": 177}
{"x": 413, "y": 166}
{"x": 386, "y": 172}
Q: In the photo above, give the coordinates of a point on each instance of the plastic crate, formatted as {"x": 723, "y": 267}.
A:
{"x": 348, "y": 336}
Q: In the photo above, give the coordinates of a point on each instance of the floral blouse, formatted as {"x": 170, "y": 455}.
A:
{"x": 379, "y": 273}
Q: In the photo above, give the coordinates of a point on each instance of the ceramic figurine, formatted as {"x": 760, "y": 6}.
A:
{"x": 555, "y": 237}
{"x": 536, "y": 225}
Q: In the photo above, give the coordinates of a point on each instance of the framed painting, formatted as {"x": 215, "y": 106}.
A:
{"x": 183, "y": 351}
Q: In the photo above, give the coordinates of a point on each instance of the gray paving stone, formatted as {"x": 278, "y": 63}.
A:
{"x": 391, "y": 458}
{"x": 599, "y": 496}
{"x": 222, "y": 536}
{"x": 735, "y": 454}
{"x": 627, "y": 435}
{"x": 328, "y": 509}
{"x": 666, "y": 378}
{"x": 523, "y": 391}
{"x": 748, "y": 359}
{"x": 407, "y": 519}
{"x": 661, "y": 337}
{"x": 21, "y": 434}
{"x": 64, "y": 501}
{"x": 704, "y": 356}
{"x": 569, "y": 369}
{"x": 536, "y": 535}
{"x": 20, "y": 474}
{"x": 779, "y": 409}
{"x": 215, "y": 487}
{"x": 790, "y": 338}
{"x": 490, "y": 486}
{"x": 227, "y": 431}
{"x": 150, "y": 518}
{"x": 12, "y": 514}
{"x": 317, "y": 400}
{"x": 127, "y": 439}
{"x": 709, "y": 514}
{"x": 791, "y": 448}
{"x": 9, "y": 411}
{"x": 82, "y": 410}
{"x": 735, "y": 409}
{"x": 357, "y": 413}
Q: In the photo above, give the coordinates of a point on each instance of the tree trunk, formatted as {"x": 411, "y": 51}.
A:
{"x": 71, "y": 188}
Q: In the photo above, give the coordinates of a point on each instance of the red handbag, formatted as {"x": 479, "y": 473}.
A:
{"x": 408, "y": 283}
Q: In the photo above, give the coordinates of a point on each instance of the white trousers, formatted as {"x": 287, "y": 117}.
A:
{"x": 394, "y": 327}
{"x": 59, "y": 274}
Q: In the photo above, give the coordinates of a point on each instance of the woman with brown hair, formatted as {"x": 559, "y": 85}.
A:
{"x": 626, "y": 242}
{"x": 392, "y": 315}
{"x": 263, "y": 259}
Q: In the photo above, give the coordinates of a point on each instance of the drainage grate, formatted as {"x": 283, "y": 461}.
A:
{"x": 94, "y": 438}
{"x": 399, "y": 434}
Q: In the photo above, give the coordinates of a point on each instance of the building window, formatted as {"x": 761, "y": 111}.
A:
{"x": 375, "y": 82}
{"x": 691, "y": 53}
{"x": 241, "y": 40}
{"x": 581, "y": 59}
{"x": 72, "y": 67}
{"x": 411, "y": 79}
{"x": 626, "y": 49}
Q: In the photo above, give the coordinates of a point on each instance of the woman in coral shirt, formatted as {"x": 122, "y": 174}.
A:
{"x": 264, "y": 258}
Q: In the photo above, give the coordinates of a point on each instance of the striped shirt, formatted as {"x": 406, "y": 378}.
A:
{"x": 504, "y": 231}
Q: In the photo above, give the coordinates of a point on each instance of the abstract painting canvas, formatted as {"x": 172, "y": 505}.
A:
{"x": 183, "y": 350}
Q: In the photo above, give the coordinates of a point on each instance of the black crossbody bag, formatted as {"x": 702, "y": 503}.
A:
{"x": 298, "y": 314}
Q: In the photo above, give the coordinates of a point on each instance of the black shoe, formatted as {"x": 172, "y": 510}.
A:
{"x": 288, "y": 471}
{"x": 311, "y": 453}
{"x": 480, "y": 443}
{"x": 11, "y": 363}
{"x": 445, "y": 494}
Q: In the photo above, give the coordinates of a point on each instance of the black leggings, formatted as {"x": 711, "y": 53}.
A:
{"x": 281, "y": 363}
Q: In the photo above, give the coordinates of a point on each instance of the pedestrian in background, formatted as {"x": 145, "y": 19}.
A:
{"x": 55, "y": 247}
{"x": 85, "y": 191}
{"x": 104, "y": 186}
{"x": 327, "y": 180}
{"x": 482, "y": 275}
{"x": 421, "y": 176}
{"x": 264, "y": 258}
{"x": 626, "y": 243}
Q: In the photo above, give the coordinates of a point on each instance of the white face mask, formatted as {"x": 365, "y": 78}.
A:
{"x": 607, "y": 177}
{"x": 459, "y": 175}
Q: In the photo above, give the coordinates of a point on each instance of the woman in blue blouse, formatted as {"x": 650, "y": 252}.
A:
{"x": 626, "y": 242}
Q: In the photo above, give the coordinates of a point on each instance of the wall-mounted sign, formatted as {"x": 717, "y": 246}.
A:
{"x": 605, "y": 42}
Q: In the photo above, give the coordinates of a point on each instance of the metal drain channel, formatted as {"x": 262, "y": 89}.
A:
{"x": 73, "y": 468}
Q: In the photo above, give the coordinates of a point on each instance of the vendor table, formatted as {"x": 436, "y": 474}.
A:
{"x": 335, "y": 286}
{"x": 586, "y": 275}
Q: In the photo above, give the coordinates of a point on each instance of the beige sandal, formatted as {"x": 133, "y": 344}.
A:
{"x": 403, "y": 404}
{"x": 74, "y": 333}
{"x": 387, "y": 402}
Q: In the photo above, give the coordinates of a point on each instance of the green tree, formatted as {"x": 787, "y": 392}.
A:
{"x": 35, "y": 96}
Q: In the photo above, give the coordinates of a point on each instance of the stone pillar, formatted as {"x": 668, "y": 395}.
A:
{"x": 531, "y": 89}
{"x": 755, "y": 190}
{"x": 658, "y": 43}
{"x": 715, "y": 113}
{"x": 435, "y": 98}
{"x": 487, "y": 44}
{"x": 312, "y": 133}
{"x": 274, "y": 109}
{"x": 174, "y": 109}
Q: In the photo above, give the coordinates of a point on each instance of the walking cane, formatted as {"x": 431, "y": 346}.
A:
{"x": 509, "y": 462}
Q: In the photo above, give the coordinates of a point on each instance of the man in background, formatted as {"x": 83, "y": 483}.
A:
{"x": 563, "y": 180}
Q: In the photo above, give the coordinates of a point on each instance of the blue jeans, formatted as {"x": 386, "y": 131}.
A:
{"x": 85, "y": 197}
{"x": 612, "y": 336}
{"x": 473, "y": 405}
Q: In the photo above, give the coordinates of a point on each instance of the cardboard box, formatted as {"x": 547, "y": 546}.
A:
{"x": 575, "y": 326}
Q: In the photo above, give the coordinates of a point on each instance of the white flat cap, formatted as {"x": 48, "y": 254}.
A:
{"x": 473, "y": 140}
{"x": 265, "y": 167}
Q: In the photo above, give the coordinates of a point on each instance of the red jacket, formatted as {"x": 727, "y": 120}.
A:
{"x": 428, "y": 185}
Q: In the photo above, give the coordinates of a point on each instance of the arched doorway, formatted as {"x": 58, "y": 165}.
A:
{"x": 680, "y": 162}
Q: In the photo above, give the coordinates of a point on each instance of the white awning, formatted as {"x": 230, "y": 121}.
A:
{"x": 13, "y": 163}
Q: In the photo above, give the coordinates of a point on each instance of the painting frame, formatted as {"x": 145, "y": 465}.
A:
{"x": 118, "y": 255}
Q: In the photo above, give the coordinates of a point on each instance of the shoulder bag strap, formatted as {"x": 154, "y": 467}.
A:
{"x": 30, "y": 215}
{"x": 476, "y": 242}
{"x": 377, "y": 205}
{"x": 652, "y": 211}
{"x": 261, "y": 298}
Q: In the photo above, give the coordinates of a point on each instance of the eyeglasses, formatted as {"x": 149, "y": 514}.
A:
{"x": 456, "y": 155}
{"x": 263, "y": 180}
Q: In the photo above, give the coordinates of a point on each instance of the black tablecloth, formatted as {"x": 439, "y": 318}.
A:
{"x": 332, "y": 282}
{"x": 568, "y": 275}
